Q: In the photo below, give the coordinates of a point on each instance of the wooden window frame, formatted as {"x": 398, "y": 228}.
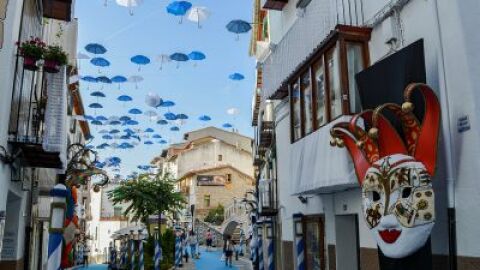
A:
{"x": 339, "y": 38}
{"x": 321, "y": 226}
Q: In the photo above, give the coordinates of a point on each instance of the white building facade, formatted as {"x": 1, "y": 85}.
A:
{"x": 315, "y": 49}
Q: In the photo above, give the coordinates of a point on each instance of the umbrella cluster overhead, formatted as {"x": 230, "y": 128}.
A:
{"x": 140, "y": 117}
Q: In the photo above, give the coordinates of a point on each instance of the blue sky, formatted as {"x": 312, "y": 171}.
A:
{"x": 196, "y": 90}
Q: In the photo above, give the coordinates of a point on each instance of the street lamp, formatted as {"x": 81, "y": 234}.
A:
{"x": 57, "y": 216}
{"x": 269, "y": 229}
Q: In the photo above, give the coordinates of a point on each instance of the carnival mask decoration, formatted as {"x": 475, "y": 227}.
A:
{"x": 395, "y": 171}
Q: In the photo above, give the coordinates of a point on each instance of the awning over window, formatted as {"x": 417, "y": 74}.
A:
{"x": 316, "y": 167}
{"x": 58, "y": 9}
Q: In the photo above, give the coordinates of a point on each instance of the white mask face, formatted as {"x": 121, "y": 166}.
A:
{"x": 398, "y": 204}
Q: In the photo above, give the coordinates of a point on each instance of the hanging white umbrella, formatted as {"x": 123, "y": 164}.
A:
{"x": 198, "y": 14}
{"x": 233, "y": 111}
{"x": 163, "y": 58}
{"x": 130, "y": 4}
{"x": 153, "y": 100}
{"x": 135, "y": 79}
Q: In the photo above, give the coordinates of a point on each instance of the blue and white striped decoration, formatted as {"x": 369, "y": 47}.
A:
{"x": 300, "y": 246}
{"x": 178, "y": 251}
{"x": 132, "y": 254}
{"x": 141, "y": 264}
{"x": 112, "y": 256}
{"x": 271, "y": 254}
{"x": 158, "y": 254}
{"x": 59, "y": 193}
{"x": 261, "y": 264}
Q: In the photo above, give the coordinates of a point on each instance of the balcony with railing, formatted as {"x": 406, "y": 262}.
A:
{"x": 36, "y": 128}
{"x": 314, "y": 23}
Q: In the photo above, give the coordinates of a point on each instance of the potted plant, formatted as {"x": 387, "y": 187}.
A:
{"x": 54, "y": 58}
{"x": 31, "y": 50}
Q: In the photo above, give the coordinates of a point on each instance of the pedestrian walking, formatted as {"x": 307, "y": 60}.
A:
{"x": 183, "y": 238}
{"x": 229, "y": 248}
{"x": 208, "y": 236}
{"x": 192, "y": 241}
{"x": 236, "y": 247}
{"x": 86, "y": 254}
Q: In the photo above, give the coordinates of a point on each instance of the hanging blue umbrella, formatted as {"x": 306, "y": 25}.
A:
{"x": 101, "y": 118}
{"x": 89, "y": 117}
{"x": 125, "y": 118}
{"x": 182, "y": 116}
{"x": 115, "y": 123}
{"x": 104, "y": 79}
{"x": 124, "y": 98}
{"x": 162, "y": 122}
{"x": 174, "y": 128}
{"x": 167, "y": 104}
{"x": 148, "y": 142}
{"x": 227, "y": 125}
{"x": 157, "y": 136}
{"x": 196, "y": 56}
{"x": 119, "y": 79}
{"x": 149, "y": 130}
{"x": 114, "y": 131}
{"x": 103, "y": 131}
{"x": 162, "y": 142}
{"x": 100, "y": 62}
{"x": 125, "y": 137}
{"x": 135, "y": 111}
{"x": 205, "y": 118}
{"x": 179, "y": 8}
{"x": 97, "y": 94}
{"x": 95, "y": 106}
{"x": 132, "y": 123}
{"x": 103, "y": 145}
{"x": 114, "y": 145}
{"x": 89, "y": 146}
{"x": 170, "y": 116}
{"x": 89, "y": 79}
{"x": 107, "y": 137}
{"x": 236, "y": 76}
{"x": 179, "y": 57}
{"x": 95, "y": 48}
{"x": 96, "y": 123}
{"x": 140, "y": 60}
{"x": 238, "y": 27}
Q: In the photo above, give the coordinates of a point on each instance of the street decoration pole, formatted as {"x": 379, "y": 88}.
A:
{"x": 132, "y": 251}
{"x": 178, "y": 250}
{"x": 158, "y": 250}
{"x": 261, "y": 264}
{"x": 57, "y": 216}
{"x": 299, "y": 241}
{"x": 141, "y": 264}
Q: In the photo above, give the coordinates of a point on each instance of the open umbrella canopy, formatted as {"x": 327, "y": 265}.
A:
{"x": 157, "y": 136}
{"x": 162, "y": 142}
{"x": 114, "y": 131}
{"x": 153, "y": 100}
{"x": 89, "y": 79}
{"x": 104, "y": 79}
{"x": 163, "y": 58}
{"x": 198, "y": 14}
{"x": 175, "y": 128}
{"x": 95, "y": 105}
{"x": 178, "y": 8}
{"x": 130, "y": 4}
{"x": 179, "y": 57}
{"x": 100, "y": 62}
{"x": 95, "y": 48}
{"x": 135, "y": 79}
{"x": 125, "y": 118}
{"x": 97, "y": 94}
{"x": 124, "y": 98}
{"x": 107, "y": 137}
{"x": 114, "y": 122}
{"x": 204, "y": 118}
{"x": 196, "y": 55}
{"x": 101, "y": 118}
{"x": 140, "y": 60}
{"x": 170, "y": 116}
{"x": 236, "y": 76}
{"x": 167, "y": 104}
{"x": 227, "y": 125}
{"x": 233, "y": 111}
{"x": 132, "y": 123}
{"x": 148, "y": 142}
{"x": 182, "y": 116}
{"x": 162, "y": 122}
{"x": 238, "y": 26}
{"x": 103, "y": 131}
{"x": 135, "y": 111}
{"x": 149, "y": 130}
{"x": 96, "y": 123}
{"x": 89, "y": 117}
{"x": 118, "y": 79}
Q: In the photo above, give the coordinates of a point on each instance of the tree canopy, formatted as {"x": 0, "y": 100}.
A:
{"x": 147, "y": 195}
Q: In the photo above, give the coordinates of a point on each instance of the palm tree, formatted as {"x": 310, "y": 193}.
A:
{"x": 148, "y": 195}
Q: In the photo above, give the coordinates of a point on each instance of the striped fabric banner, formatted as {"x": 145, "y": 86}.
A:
{"x": 271, "y": 254}
{"x": 178, "y": 251}
{"x": 54, "y": 251}
{"x": 141, "y": 265}
{"x": 261, "y": 264}
{"x": 300, "y": 246}
{"x": 123, "y": 256}
{"x": 158, "y": 254}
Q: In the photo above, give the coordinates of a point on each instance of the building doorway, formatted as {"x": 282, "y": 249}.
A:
{"x": 347, "y": 242}
{"x": 314, "y": 228}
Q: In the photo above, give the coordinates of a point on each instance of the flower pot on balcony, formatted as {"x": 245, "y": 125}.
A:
{"x": 51, "y": 66}
{"x": 30, "y": 63}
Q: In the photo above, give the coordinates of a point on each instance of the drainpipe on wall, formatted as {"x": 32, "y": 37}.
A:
{"x": 447, "y": 136}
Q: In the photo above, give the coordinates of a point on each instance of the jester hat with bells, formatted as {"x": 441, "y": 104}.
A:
{"x": 395, "y": 170}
